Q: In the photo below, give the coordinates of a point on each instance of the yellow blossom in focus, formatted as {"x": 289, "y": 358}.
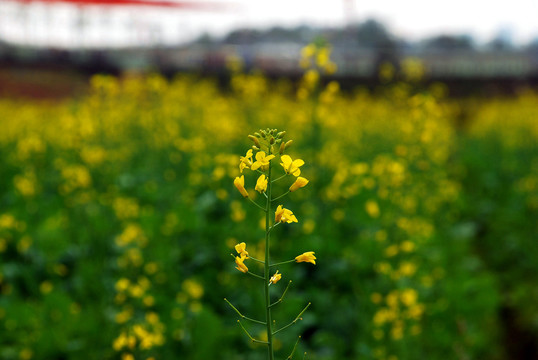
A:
{"x": 275, "y": 278}
{"x": 239, "y": 183}
{"x": 261, "y": 184}
{"x": 299, "y": 183}
{"x": 240, "y": 265}
{"x": 245, "y": 161}
{"x": 284, "y": 215}
{"x": 241, "y": 249}
{"x": 306, "y": 257}
{"x": 262, "y": 161}
{"x": 291, "y": 166}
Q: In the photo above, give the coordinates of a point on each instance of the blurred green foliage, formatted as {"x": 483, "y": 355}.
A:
{"x": 118, "y": 215}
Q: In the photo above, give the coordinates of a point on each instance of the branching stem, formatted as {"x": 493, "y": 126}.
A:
{"x": 255, "y": 203}
{"x": 294, "y": 347}
{"x": 282, "y": 297}
{"x": 294, "y": 321}
{"x": 250, "y": 337}
{"x": 243, "y": 316}
{"x": 283, "y": 262}
{"x": 286, "y": 193}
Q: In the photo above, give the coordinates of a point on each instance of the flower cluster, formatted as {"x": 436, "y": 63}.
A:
{"x": 261, "y": 162}
{"x": 268, "y": 149}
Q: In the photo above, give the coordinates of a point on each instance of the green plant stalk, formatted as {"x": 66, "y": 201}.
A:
{"x": 266, "y": 266}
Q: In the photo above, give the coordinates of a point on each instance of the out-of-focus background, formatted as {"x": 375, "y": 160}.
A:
{"x": 121, "y": 127}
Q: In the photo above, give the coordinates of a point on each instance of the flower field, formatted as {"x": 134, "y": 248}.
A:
{"x": 118, "y": 214}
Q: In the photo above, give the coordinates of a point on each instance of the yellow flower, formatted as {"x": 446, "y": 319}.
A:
{"x": 261, "y": 184}
{"x": 299, "y": 183}
{"x": 275, "y": 278}
{"x": 241, "y": 249}
{"x": 245, "y": 161}
{"x": 291, "y": 166}
{"x": 262, "y": 161}
{"x": 284, "y": 215}
{"x": 240, "y": 265}
{"x": 306, "y": 257}
{"x": 239, "y": 183}
{"x": 308, "y": 51}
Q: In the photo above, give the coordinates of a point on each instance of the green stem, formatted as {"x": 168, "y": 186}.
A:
{"x": 282, "y": 177}
{"x": 281, "y": 196}
{"x": 270, "y": 353}
{"x": 250, "y": 336}
{"x": 250, "y": 257}
{"x": 255, "y": 203}
{"x": 294, "y": 347}
{"x": 243, "y": 316}
{"x": 282, "y": 297}
{"x": 256, "y": 276}
{"x": 294, "y": 321}
{"x": 283, "y": 262}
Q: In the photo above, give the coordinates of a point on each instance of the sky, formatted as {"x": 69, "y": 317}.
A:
{"x": 65, "y": 25}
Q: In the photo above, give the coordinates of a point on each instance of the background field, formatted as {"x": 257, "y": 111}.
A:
{"x": 118, "y": 215}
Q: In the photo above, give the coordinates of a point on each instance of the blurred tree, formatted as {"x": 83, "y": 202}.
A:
{"x": 373, "y": 34}
{"x": 450, "y": 42}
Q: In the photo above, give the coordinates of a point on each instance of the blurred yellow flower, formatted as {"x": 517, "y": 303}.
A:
{"x": 239, "y": 183}
{"x": 409, "y": 297}
{"x": 308, "y": 51}
{"x": 291, "y": 166}
{"x": 241, "y": 249}
{"x": 299, "y": 183}
{"x": 261, "y": 184}
{"x": 372, "y": 208}
{"x": 306, "y": 257}
{"x": 262, "y": 161}
{"x": 193, "y": 288}
{"x": 240, "y": 265}
{"x": 275, "y": 278}
{"x": 284, "y": 215}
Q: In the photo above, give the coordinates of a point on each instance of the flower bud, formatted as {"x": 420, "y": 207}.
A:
{"x": 272, "y": 140}
{"x": 282, "y": 148}
{"x": 255, "y": 148}
{"x": 239, "y": 183}
{"x": 281, "y": 134}
{"x": 299, "y": 183}
{"x": 255, "y": 139}
{"x": 288, "y": 144}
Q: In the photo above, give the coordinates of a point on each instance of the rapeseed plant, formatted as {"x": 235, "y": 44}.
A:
{"x": 269, "y": 146}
